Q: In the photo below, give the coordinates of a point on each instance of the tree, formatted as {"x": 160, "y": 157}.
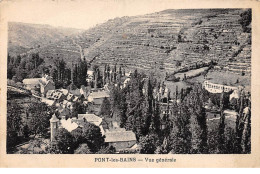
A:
{"x": 118, "y": 105}
{"x": 155, "y": 120}
{"x": 38, "y": 118}
{"x": 79, "y": 73}
{"x": 60, "y": 73}
{"x": 105, "y": 109}
{"x": 78, "y": 108}
{"x": 221, "y": 135}
{"x": 14, "y": 124}
{"x": 10, "y": 71}
{"x": 246, "y": 137}
{"x": 240, "y": 124}
{"x": 148, "y": 106}
{"x": 34, "y": 74}
{"x": 149, "y": 143}
{"x": 83, "y": 149}
{"x": 20, "y": 74}
{"x": 26, "y": 131}
{"x": 64, "y": 141}
{"x": 198, "y": 124}
{"x": 134, "y": 99}
{"x": 82, "y": 72}
{"x": 78, "y": 138}
{"x": 36, "y": 60}
{"x": 107, "y": 150}
{"x": 29, "y": 66}
{"x": 17, "y": 60}
{"x": 180, "y": 136}
{"x": 245, "y": 20}
{"x": 23, "y": 64}
{"x": 93, "y": 136}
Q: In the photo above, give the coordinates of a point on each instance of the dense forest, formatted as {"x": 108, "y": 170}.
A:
{"x": 182, "y": 127}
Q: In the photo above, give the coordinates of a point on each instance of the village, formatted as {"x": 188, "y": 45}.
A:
{"x": 124, "y": 141}
{"x": 143, "y": 84}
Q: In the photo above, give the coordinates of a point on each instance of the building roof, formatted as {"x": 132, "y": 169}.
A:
{"x": 91, "y": 118}
{"x": 54, "y": 119}
{"x": 90, "y": 72}
{"x": 70, "y": 96}
{"x": 120, "y": 136}
{"x": 75, "y": 99}
{"x": 246, "y": 110}
{"x": 33, "y": 81}
{"x": 64, "y": 91}
{"x": 65, "y": 102}
{"x": 69, "y": 105}
{"x": 69, "y": 125}
{"x": 76, "y": 92}
{"x": 126, "y": 81}
{"x": 230, "y": 112}
{"x": 47, "y": 101}
{"x": 57, "y": 94}
{"x": 49, "y": 93}
{"x": 99, "y": 94}
{"x": 43, "y": 82}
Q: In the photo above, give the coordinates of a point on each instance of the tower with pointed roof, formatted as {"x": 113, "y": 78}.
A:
{"x": 54, "y": 126}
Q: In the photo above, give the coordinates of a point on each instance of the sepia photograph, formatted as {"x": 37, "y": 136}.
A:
{"x": 162, "y": 81}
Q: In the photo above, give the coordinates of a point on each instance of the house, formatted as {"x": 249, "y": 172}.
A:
{"x": 76, "y": 92}
{"x": 65, "y": 92}
{"x": 32, "y": 83}
{"x": 84, "y": 91}
{"x": 230, "y": 113}
{"x": 76, "y": 99}
{"x": 46, "y": 86}
{"x": 70, "y": 97}
{"x": 64, "y": 103}
{"x": 90, "y": 73}
{"x": 97, "y": 97}
{"x": 218, "y": 88}
{"x": 95, "y": 100}
{"x": 234, "y": 95}
{"x": 70, "y": 105}
{"x": 49, "y": 94}
{"x": 121, "y": 140}
{"x": 91, "y": 118}
{"x": 68, "y": 124}
{"x": 128, "y": 74}
{"x": 58, "y": 96}
{"x": 126, "y": 81}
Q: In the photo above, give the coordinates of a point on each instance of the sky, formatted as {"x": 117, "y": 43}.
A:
{"x": 81, "y": 14}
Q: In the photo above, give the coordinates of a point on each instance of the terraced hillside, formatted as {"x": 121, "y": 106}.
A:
{"x": 172, "y": 39}
{"x": 168, "y": 41}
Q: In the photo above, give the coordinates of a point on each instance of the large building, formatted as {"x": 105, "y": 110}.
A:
{"x": 120, "y": 139}
{"x": 98, "y": 97}
{"x": 43, "y": 84}
{"x": 218, "y": 88}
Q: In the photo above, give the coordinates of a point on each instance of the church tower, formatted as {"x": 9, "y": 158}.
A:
{"x": 54, "y": 126}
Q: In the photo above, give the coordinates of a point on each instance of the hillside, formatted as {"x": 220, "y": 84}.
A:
{"x": 166, "y": 41}
{"x": 23, "y": 37}
{"x": 171, "y": 39}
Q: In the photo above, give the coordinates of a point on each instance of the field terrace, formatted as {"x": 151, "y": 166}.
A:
{"x": 151, "y": 41}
